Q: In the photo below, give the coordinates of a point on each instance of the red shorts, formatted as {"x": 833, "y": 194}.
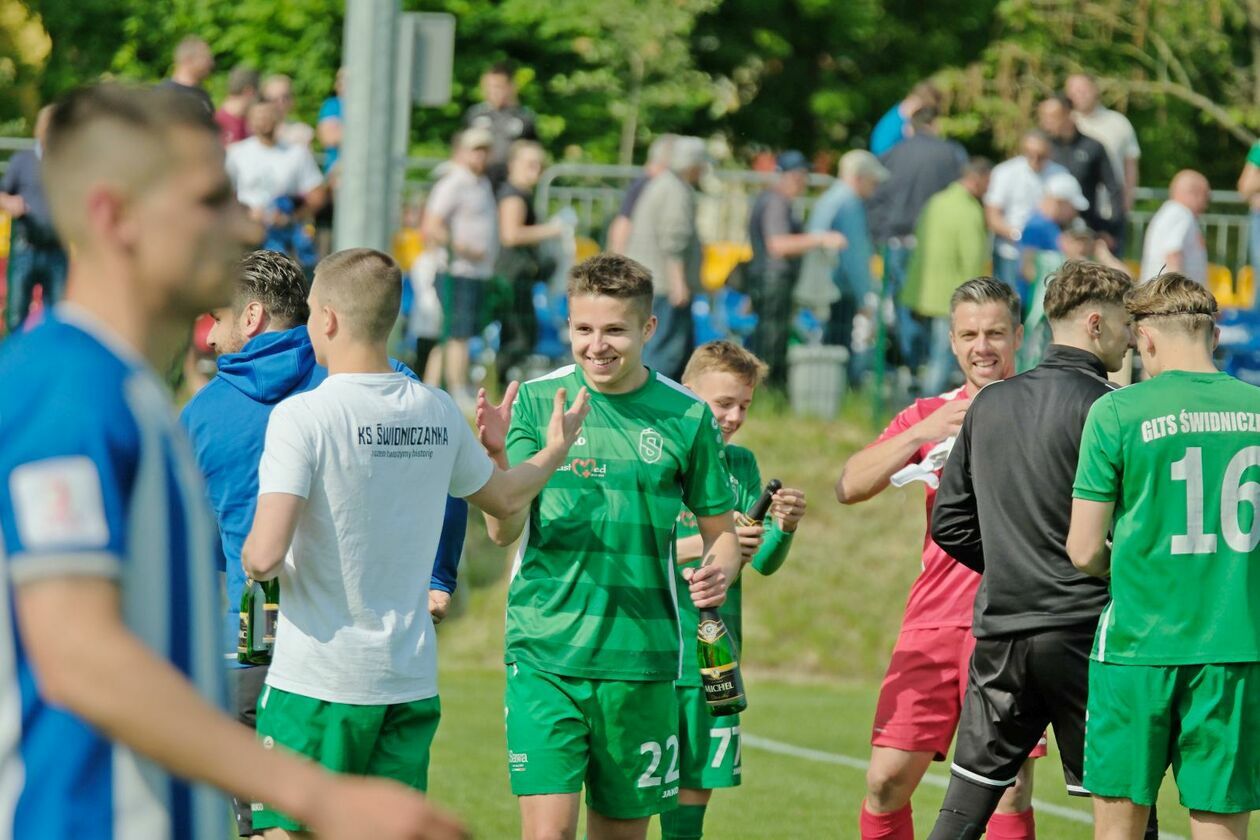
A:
{"x": 921, "y": 698}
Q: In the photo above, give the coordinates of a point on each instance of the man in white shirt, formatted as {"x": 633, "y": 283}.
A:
{"x": 1174, "y": 241}
{"x": 462, "y": 219}
{"x": 263, "y": 168}
{"x": 278, "y": 90}
{"x": 1015, "y": 188}
{"x": 1112, "y": 129}
{"x": 352, "y": 492}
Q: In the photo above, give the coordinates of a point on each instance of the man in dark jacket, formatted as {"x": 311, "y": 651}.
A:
{"x": 1089, "y": 164}
{"x": 266, "y": 356}
{"x": 1003, "y": 509}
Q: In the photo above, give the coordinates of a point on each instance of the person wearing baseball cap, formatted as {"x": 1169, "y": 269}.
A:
{"x": 779, "y": 240}
{"x": 1062, "y": 201}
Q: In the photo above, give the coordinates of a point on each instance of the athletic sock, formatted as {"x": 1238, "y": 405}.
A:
{"x": 686, "y": 822}
{"x": 965, "y": 811}
{"x": 895, "y": 825}
{"x": 1012, "y": 826}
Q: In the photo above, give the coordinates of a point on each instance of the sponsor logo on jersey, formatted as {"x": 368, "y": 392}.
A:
{"x": 518, "y": 761}
{"x": 651, "y": 445}
{"x": 585, "y": 468}
{"x": 59, "y": 503}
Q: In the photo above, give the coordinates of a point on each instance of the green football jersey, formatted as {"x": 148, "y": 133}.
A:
{"x": 746, "y": 483}
{"x": 1180, "y": 457}
{"x": 592, "y": 591}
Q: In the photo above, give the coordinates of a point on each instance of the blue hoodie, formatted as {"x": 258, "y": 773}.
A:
{"x": 227, "y": 424}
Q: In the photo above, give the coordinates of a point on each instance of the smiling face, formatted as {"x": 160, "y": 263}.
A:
{"x": 984, "y": 342}
{"x": 728, "y": 397}
{"x": 607, "y": 335}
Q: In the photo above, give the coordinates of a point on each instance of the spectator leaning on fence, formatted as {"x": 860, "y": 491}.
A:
{"x": 1014, "y": 190}
{"x": 842, "y": 210}
{"x": 35, "y": 255}
{"x": 461, "y": 217}
{"x": 658, "y": 157}
{"x": 664, "y": 239}
{"x": 1174, "y": 241}
{"x": 778, "y": 241}
{"x": 951, "y": 248}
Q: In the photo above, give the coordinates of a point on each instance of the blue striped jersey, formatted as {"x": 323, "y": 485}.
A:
{"x": 96, "y": 479}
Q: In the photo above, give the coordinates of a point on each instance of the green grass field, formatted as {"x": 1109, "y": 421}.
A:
{"x": 817, "y": 638}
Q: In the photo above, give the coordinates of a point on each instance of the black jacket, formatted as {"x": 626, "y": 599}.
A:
{"x": 1005, "y": 498}
{"x": 1089, "y": 164}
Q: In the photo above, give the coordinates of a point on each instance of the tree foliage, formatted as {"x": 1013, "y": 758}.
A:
{"x": 606, "y": 76}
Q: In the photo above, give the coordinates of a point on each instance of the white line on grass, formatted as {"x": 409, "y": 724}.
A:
{"x": 935, "y": 779}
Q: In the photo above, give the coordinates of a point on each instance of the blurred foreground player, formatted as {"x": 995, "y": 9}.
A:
{"x": 107, "y": 543}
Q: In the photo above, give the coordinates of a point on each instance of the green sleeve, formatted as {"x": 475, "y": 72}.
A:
{"x": 523, "y": 435}
{"x": 1253, "y": 156}
{"x": 707, "y": 482}
{"x": 774, "y": 550}
{"x": 1098, "y": 470}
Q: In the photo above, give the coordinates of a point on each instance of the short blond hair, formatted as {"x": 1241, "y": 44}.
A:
{"x": 364, "y": 287}
{"x": 725, "y": 357}
{"x": 1172, "y": 301}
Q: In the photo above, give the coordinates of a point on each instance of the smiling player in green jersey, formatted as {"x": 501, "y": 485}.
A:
{"x": 592, "y": 641}
{"x": 725, "y": 376}
{"x": 1171, "y": 466}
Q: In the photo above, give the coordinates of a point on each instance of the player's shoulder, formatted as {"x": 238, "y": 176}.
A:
{"x": 668, "y": 393}
{"x": 925, "y": 406}
{"x": 549, "y": 383}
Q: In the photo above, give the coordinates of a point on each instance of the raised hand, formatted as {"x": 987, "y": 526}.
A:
{"x": 943, "y": 422}
{"x": 493, "y": 420}
{"x": 750, "y": 539}
{"x": 788, "y": 508}
{"x": 566, "y": 426}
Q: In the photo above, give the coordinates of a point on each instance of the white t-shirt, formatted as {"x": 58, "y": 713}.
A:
{"x": 375, "y": 456}
{"x": 1174, "y": 228}
{"x": 1115, "y": 132}
{"x": 465, "y": 202}
{"x": 264, "y": 173}
{"x": 1015, "y": 189}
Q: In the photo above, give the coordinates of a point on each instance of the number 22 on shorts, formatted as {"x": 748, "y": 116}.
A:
{"x": 649, "y": 777}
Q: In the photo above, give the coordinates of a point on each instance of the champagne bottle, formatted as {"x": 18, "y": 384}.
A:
{"x": 718, "y": 658}
{"x": 260, "y": 609}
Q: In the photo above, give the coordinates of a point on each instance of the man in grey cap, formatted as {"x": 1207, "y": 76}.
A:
{"x": 842, "y": 209}
{"x": 778, "y": 241}
{"x": 664, "y": 239}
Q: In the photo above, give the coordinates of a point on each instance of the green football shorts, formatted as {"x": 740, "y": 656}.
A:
{"x": 618, "y": 738}
{"x": 710, "y": 745}
{"x": 1201, "y": 719}
{"x": 390, "y": 741}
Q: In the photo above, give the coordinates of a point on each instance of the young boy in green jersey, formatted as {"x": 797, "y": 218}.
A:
{"x": 725, "y": 376}
{"x": 1170, "y": 466}
{"x": 592, "y": 639}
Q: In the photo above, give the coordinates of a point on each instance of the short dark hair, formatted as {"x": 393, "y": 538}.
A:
{"x": 277, "y": 282}
{"x": 615, "y": 276}
{"x": 241, "y": 79}
{"x": 1079, "y": 282}
{"x": 978, "y": 165}
{"x": 365, "y": 287}
{"x": 502, "y": 68}
{"x": 981, "y": 290}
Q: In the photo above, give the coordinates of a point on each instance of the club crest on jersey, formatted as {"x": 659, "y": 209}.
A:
{"x": 651, "y": 445}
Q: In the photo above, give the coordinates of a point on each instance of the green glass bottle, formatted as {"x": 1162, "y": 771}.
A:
{"x": 260, "y": 610}
{"x": 715, "y": 649}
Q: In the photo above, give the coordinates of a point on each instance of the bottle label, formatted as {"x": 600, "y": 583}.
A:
{"x": 270, "y": 618}
{"x": 710, "y": 631}
{"x": 720, "y": 684}
{"x": 242, "y": 637}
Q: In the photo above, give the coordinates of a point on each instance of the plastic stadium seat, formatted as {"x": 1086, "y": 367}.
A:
{"x": 586, "y": 248}
{"x": 1245, "y": 287}
{"x": 1135, "y": 269}
{"x": 720, "y": 258}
